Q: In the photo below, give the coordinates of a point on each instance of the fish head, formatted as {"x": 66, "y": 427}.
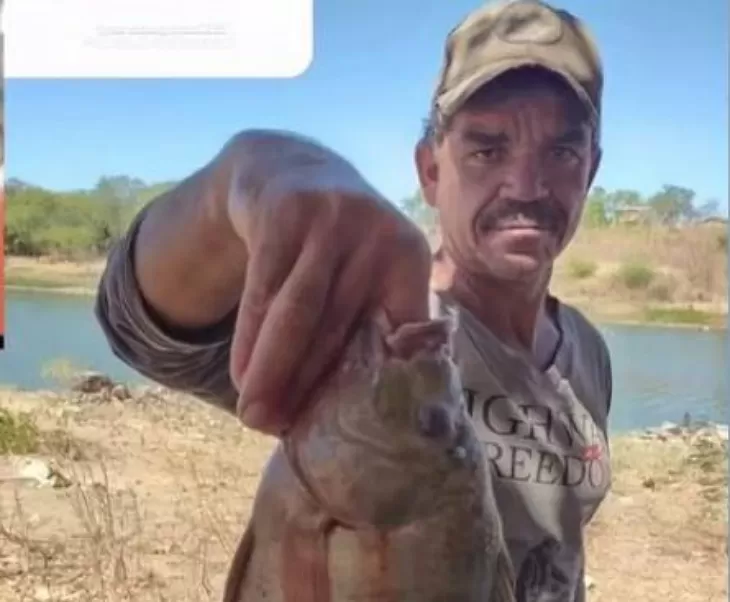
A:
{"x": 418, "y": 394}
{"x": 389, "y": 439}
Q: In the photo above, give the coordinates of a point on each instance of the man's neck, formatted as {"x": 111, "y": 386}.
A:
{"x": 516, "y": 313}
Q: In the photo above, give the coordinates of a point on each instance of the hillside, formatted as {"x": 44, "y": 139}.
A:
{"x": 657, "y": 259}
{"x": 622, "y": 274}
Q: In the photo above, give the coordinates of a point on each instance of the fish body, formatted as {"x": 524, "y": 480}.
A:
{"x": 379, "y": 493}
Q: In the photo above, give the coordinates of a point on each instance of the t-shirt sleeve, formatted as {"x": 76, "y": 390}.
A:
{"x": 194, "y": 362}
{"x": 594, "y": 359}
{"x": 603, "y": 366}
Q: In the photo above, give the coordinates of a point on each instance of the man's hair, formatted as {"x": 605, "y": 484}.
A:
{"x": 521, "y": 80}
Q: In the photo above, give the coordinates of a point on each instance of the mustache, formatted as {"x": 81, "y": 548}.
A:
{"x": 546, "y": 214}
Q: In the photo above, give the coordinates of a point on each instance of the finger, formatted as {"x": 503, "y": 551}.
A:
{"x": 404, "y": 289}
{"x": 268, "y": 267}
{"x": 346, "y": 307}
{"x": 286, "y": 335}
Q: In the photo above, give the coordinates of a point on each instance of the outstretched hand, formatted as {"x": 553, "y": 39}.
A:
{"x": 324, "y": 249}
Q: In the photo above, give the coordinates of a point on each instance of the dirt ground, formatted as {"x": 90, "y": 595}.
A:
{"x": 155, "y": 491}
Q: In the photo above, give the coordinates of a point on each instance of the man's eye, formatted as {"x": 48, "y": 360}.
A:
{"x": 564, "y": 153}
{"x": 489, "y": 154}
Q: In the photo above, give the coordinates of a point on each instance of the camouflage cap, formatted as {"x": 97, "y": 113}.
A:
{"x": 502, "y": 36}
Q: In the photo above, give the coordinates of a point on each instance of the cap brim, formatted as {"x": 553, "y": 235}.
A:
{"x": 452, "y": 100}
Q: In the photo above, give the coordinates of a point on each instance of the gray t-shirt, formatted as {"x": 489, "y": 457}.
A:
{"x": 544, "y": 435}
{"x": 543, "y": 432}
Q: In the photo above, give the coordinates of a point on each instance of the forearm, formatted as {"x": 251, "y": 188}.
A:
{"x": 167, "y": 299}
{"x": 190, "y": 259}
{"x": 189, "y": 262}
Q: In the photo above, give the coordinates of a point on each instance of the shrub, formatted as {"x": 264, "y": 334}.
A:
{"x": 582, "y": 268}
{"x": 663, "y": 288}
{"x": 635, "y": 275}
{"x": 18, "y": 434}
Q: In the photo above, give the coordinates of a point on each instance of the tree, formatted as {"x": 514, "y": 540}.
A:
{"x": 594, "y": 212}
{"x": 86, "y": 223}
{"x": 622, "y": 199}
{"x": 673, "y": 204}
{"x": 76, "y": 224}
{"x": 420, "y": 212}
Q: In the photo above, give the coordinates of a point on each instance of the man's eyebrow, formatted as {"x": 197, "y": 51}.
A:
{"x": 485, "y": 138}
{"x": 572, "y": 136}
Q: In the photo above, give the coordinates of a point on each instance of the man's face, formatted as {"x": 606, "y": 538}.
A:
{"x": 509, "y": 179}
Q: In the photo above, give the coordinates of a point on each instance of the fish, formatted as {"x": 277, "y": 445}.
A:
{"x": 379, "y": 492}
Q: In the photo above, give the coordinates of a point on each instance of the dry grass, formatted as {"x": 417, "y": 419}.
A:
{"x": 636, "y": 274}
{"x": 648, "y": 274}
{"x": 48, "y": 274}
{"x": 662, "y": 535}
{"x": 161, "y": 488}
{"x": 154, "y": 510}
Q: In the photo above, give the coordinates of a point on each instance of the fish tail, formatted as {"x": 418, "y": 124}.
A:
{"x": 504, "y": 579}
{"x": 239, "y": 566}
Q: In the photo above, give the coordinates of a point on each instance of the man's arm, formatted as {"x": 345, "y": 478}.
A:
{"x": 168, "y": 295}
{"x": 314, "y": 243}
{"x": 168, "y": 298}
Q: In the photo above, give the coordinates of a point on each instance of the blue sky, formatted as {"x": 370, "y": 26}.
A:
{"x": 367, "y": 90}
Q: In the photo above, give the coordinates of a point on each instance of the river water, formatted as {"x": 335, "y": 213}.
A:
{"x": 659, "y": 373}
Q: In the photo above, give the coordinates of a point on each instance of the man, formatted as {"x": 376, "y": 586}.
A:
{"x": 241, "y": 285}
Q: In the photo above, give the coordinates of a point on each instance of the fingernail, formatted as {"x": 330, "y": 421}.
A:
{"x": 252, "y": 414}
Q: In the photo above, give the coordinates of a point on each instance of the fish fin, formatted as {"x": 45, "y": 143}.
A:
{"x": 415, "y": 337}
{"x": 239, "y": 566}
{"x": 305, "y": 562}
{"x": 504, "y": 579}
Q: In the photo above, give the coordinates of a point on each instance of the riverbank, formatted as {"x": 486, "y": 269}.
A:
{"x": 615, "y": 290}
{"x": 142, "y": 495}
{"x": 53, "y": 276}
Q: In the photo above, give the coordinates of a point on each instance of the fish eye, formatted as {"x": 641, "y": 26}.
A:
{"x": 434, "y": 421}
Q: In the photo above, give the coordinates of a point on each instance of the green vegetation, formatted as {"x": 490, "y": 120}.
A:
{"x": 632, "y": 257}
{"x": 582, "y": 268}
{"x": 635, "y": 275}
{"x": 671, "y": 206}
{"x": 18, "y": 433}
{"x": 84, "y": 224}
{"x": 678, "y": 315}
{"x": 73, "y": 225}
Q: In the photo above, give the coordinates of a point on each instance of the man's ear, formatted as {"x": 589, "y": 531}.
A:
{"x": 427, "y": 169}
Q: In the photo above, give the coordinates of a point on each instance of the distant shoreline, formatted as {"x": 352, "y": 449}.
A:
{"x": 44, "y": 276}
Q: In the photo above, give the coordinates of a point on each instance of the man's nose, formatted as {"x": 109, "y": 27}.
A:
{"x": 525, "y": 179}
